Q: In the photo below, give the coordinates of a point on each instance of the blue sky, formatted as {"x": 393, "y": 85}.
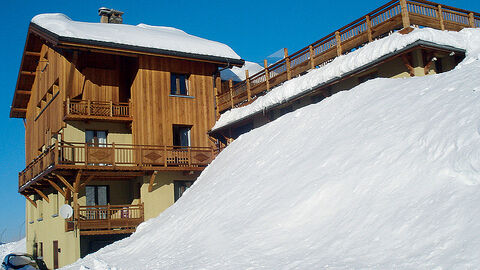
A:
{"x": 254, "y": 29}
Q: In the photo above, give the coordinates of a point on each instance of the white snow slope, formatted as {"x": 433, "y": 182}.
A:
{"x": 385, "y": 176}
{"x": 157, "y": 37}
{"x": 12, "y": 247}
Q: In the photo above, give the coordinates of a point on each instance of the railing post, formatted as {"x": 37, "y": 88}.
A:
{"x": 108, "y": 216}
{"x": 267, "y": 74}
{"x": 165, "y": 155}
{"x": 440, "y": 17}
{"x": 369, "y": 28}
{"x": 339, "y": 43}
{"x": 471, "y": 20}
{"x": 114, "y": 156}
{"x": 405, "y": 15}
{"x": 56, "y": 152}
{"x": 88, "y": 107}
{"x": 68, "y": 106}
{"x": 230, "y": 86}
{"x": 287, "y": 63}
{"x": 247, "y": 80}
{"x": 189, "y": 154}
{"x": 312, "y": 57}
{"x": 217, "y": 109}
{"x": 111, "y": 108}
{"x": 86, "y": 153}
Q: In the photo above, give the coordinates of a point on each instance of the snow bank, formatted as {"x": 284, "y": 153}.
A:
{"x": 238, "y": 74}
{"x": 385, "y": 176}
{"x": 343, "y": 64}
{"x": 142, "y": 35}
{"x": 19, "y": 246}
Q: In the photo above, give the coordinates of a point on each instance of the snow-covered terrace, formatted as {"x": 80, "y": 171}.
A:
{"x": 344, "y": 65}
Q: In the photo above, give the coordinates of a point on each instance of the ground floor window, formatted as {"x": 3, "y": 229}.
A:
{"x": 180, "y": 187}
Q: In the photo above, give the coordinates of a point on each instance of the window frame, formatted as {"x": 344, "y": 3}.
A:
{"x": 173, "y": 86}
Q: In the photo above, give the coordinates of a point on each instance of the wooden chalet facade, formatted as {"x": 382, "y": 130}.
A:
{"x": 116, "y": 131}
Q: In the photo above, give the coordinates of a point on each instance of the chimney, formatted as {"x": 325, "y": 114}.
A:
{"x": 109, "y": 15}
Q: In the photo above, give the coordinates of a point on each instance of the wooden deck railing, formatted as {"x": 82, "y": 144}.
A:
{"x": 107, "y": 218}
{"x": 116, "y": 156}
{"x": 390, "y": 17}
{"x": 96, "y": 109}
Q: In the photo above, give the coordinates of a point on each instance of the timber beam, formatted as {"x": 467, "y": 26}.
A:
{"x": 406, "y": 62}
{"x": 82, "y": 185}
{"x": 55, "y": 186}
{"x": 30, "y": 200}
{"x": 64, "y": 181}
{"x": 152, "y": 179}
{"x": 41, "y": 194}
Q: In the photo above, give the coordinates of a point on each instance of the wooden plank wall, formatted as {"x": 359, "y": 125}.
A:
{"x": 76, "y": 75}
{"x": 155, "y": 111}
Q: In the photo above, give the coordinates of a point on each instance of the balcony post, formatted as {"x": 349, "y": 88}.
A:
{"x": 88, "y": 107}
{"x": 113, "y": 153}
{"x": 108, "y": 217}
{"x": 440, "y": 17}
{"x": 312, "y": 57}
{"x": 111, "y": 108}
{"x": 471, "y": 20}
{"x": 189, "y": 155}
{"x": 338, "y": 38}
{"x": 230, "y": 86}
{"x": 369, "y": 28}
{"x": 165, "y": 155}
{"x": 267, "y": 74}
{"x": 247, "y": 80}
{"x": 56, "y": 150}
{"x": 68, "y": 106}
{"x": 287, "y": 63}
{"x": 86, "y": 153}
{"x": 405, "y": 15}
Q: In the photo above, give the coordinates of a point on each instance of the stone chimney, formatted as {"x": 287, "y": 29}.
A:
{"x": 109, "y": 15}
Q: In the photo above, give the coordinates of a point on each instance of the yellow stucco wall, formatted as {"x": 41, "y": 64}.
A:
{"x": 118, "y": 133}
{"x": 162, "y": 195}
{"x": 50, "y": 228}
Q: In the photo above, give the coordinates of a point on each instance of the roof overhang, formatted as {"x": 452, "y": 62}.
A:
{"x": 419, "y": 44}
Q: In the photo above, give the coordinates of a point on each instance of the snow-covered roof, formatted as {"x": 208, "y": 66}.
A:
{"x": 343, "y": 65}
{"x": 237, "y": 74}
{"x": 167, "y": 39}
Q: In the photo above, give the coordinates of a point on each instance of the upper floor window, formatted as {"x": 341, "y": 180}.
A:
{"x": 181, "y": 135}
{"x": 179, "y": 84}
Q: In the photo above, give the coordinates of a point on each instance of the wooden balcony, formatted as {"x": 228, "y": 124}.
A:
{"x": 108, "y": 219}
{"x": 392, "y": 16}
{"x": 114, "y": 157}
{"x": 97, "y": 110}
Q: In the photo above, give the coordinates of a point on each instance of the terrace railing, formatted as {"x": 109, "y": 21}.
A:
{"x": 392, "y": 16}
{"x": 115, "y": 156}
{"x": 96, "y": 109}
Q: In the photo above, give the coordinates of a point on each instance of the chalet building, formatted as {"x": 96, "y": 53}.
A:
{"x": 119, "y": 118}
{"x": 116, "y": 119}
{"x": 419, "y": 58}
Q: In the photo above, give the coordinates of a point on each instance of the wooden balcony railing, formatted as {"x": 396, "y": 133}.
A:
{"x": 107, "y": 219}
{"x": 117, "y": 157}
{"x": 81, "y": 109}
{"x": 392, "y": 16}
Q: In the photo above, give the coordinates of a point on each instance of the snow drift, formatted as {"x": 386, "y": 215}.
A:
{"x": 384, "y": 176}
{"x": 12, "y": 247}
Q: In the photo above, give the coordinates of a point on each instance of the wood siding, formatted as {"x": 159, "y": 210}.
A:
{"x": 155, "y": 111}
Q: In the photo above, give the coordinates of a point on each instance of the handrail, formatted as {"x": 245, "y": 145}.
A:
{"x": 388, "y": 17}
{"x": 116, "y": 156}
{"x": 92, "y": 108}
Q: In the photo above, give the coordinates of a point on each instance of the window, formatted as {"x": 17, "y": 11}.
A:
{"x": 55, "y": 204}
{"x": 97, "y": 138}
{"x": 180, "y": 187}
{"x": 179, "y": 84}
{"x": 96, "y": 195}
{"x": 181, "y": 135}
{"x": 40, "y": 209}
